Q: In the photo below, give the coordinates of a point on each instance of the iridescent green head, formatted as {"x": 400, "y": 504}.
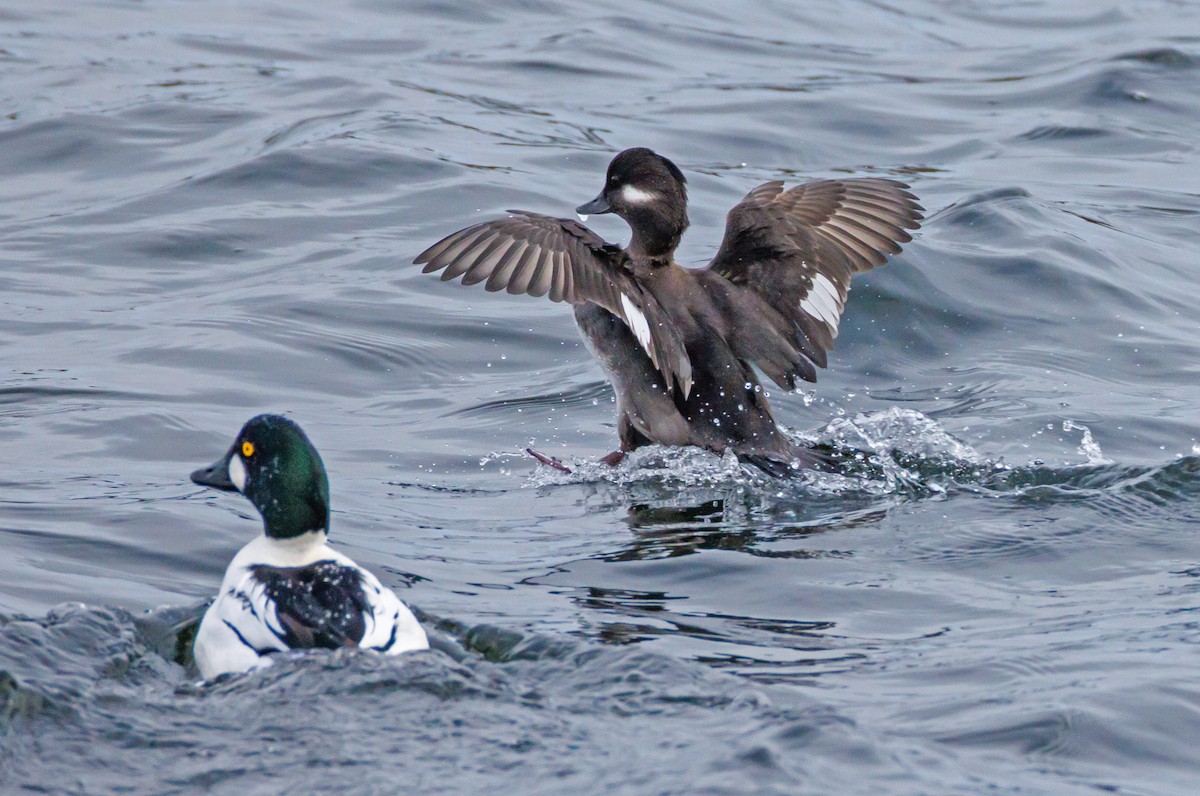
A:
{"x": 274, "y": 465}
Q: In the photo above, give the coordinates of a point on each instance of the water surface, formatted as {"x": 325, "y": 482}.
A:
{"x": 209, "y": 210}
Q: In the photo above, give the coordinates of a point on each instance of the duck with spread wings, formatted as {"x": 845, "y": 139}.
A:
{"x": 681, "y": 344}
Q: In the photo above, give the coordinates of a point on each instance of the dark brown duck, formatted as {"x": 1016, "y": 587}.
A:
{"x": 680, "y": 343}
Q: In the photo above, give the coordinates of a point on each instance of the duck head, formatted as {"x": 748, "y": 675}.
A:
{"x": 650, "y": 193}
{"x": 273, "y": 464}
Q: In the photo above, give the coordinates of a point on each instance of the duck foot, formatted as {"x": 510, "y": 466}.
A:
{"x": 613, "y": 459}
{"x": 549, "y": 461}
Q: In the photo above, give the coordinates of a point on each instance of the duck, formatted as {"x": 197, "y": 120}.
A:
{"x": 288, "y": 589}
{"x": 681, "y": 345}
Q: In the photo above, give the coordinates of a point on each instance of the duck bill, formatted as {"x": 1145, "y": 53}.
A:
{"x": 216, "y": 475}
{"x": 596, "y": 207}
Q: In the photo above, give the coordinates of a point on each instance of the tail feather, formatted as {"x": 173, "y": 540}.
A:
{"x": 821, "y": 458}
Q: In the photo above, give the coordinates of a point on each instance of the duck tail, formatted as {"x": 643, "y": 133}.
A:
{"x": 802, "y": 458}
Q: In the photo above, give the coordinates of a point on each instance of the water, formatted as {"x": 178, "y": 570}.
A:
{"x": 209, "y": 209}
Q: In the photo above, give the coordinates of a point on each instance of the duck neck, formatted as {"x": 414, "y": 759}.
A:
{"x": 655, "y": 235}
{"x": 294, "y": 551}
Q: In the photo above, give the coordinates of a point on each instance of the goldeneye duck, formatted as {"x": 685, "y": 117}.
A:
{"x": 679, "y": 343}
{"x": 288, "y": 589}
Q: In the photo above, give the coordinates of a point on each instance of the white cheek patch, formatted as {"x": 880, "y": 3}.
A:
{"x": 823, "y": 302}
{"x": 637, "y": 322}
{"x": 237, "y": 473}
{"x": 631, "y": 195}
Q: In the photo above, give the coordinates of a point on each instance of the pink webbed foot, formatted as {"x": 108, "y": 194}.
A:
{"x": 549, "y": 461}
{"x": 613, "y": 459}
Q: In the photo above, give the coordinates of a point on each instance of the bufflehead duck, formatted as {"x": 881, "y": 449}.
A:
{"x": 288, "y": 589}
{"x": 679, "y": 343}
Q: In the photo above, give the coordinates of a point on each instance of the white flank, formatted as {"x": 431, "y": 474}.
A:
{"x": 637, "y": 322}
{"x": 237, "y": 472}
{"x": 822, "y": 302}
{"x": 583, "y": 217}
{"x": 636, "y": 196}
{"x": 243, "y": 619}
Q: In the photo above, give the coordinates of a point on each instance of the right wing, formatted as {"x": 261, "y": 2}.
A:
{"x": 539, "y": 255}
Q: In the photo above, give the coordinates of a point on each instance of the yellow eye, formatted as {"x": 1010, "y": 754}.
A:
{"x": 247, "y": 449}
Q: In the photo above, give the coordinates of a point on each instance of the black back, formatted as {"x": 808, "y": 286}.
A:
{"x": 321, "y": 605}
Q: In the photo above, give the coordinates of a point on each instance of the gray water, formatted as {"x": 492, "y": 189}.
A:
{"x": 209, "y": 210}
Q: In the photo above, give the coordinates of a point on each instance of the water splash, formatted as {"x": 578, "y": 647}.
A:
{"x": 1087, "y": 445}
{"x": 899, "y": 429}
{"x": 897, "y": 451}
{"x": 679, "y": 467}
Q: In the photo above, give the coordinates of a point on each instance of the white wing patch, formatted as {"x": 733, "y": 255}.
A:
{"x": 824, "y": 302}
{"x": 633, "y": 195}
{"x": 637, "y": 322}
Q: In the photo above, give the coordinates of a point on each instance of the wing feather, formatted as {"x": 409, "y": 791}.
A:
{"x": 500, "y": 268}
{"x": 455, "y": 251}
{"x": 544, "y": 276}
{"x": 793, "y": 251}
{"x": 539, "y": 255}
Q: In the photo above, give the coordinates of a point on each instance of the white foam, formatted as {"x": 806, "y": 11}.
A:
{"x": 1087, "y": 445}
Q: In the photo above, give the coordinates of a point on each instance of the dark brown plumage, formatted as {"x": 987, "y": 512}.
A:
{"x": 679, "y": 342}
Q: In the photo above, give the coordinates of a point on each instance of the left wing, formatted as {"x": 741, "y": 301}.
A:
{"x": 790, "y": 254}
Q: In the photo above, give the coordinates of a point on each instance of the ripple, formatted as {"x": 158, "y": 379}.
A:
{"x": 1167, "y": 57}
{"x": 584, "y": 395}
{"x": 94, "y": 665}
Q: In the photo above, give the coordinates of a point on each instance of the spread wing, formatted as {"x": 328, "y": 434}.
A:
{"x": 790, "y": 254}
{"x": 539, "y": 255}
